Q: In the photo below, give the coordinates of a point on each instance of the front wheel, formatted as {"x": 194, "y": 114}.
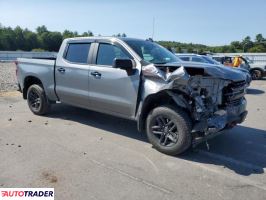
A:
{"x": 37, "y": 100}
{"x": 169, "y": 130}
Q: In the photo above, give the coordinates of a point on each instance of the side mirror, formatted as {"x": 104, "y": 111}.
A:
{"x": 126, "y": 64}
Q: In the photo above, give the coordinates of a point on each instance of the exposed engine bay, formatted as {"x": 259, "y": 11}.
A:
{"x": 214, "y": 100}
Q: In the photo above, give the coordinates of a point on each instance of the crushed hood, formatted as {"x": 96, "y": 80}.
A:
{"x": 216, "y": 71}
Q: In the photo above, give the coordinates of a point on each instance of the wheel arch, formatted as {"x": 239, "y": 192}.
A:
{"x": 257, "y": 68}
{"x": 28, "y": 81}
{"x": 165, "y": 97}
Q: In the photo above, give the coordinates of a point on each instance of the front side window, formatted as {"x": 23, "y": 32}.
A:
{"x": 108, "y": 52}
{"x": 78, "y": 53}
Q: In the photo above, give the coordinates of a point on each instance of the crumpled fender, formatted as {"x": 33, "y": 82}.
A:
{"x": 156, "y": 80}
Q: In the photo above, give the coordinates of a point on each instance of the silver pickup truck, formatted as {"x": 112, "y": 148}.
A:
{"x": 178, "y": 104}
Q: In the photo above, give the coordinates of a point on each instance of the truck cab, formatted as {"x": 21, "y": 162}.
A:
{"x": 86, "y": 75}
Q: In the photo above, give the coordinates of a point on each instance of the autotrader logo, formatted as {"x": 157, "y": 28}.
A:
{"x": 27, "y": 193}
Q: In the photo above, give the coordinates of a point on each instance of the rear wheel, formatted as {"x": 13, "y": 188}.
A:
{"x": 256, "y": 74}
{"x": 169, "y": 130}
{"x": 37, "y": 100}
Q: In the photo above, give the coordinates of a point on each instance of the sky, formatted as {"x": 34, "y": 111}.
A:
{"x": 210, "y": 22}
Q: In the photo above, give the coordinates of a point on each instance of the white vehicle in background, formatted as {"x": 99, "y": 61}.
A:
{"x": 257, "y": 70}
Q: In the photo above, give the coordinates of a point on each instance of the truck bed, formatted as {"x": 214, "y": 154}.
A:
{"x": 39, "y": 61}
{"x": 43, "y": 69}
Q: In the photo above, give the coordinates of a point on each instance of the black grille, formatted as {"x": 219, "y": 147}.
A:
{"x": 234, "y": 92}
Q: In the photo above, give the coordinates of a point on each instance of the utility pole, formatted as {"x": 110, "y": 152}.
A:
{"x": 153, "y": 24}
{"x": 244, "y": 44}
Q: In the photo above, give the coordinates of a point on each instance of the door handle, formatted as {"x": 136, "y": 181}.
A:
{"x": 62, "y": 70}
{"x": 96, "y": 74}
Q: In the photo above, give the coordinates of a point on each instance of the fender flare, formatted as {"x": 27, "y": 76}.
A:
{"x": 155, "y": 100}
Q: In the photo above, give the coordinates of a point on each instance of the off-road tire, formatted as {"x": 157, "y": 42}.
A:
{"x": 183, "y": 126}
{"x": 37, "y": 91}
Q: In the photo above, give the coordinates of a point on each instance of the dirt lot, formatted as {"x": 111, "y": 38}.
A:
{"x": 87, "y": 155}
{"x": 7, "y": 77}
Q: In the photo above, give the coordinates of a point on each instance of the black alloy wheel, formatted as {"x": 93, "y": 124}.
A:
{"x": 165, "y": 130}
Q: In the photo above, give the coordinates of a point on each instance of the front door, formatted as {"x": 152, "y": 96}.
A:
{"x": 112, "y": 90}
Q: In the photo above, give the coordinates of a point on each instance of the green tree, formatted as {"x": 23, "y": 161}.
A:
{"x": 90, "y": 33}
{"x": 76, "y": 34}
{"x": 247, "y": 43}
{"x": 31, "y": 40}
{"x": 43, "y": 39}
{"x": 51, "y": 41}
{"x": 7, "y": 39}
{"x": 87, "y": 34}
{"x": 259, "y": 38}
{"x": 68, "y": 34}
{"x": 258, "y": 49}
{"x": 41, "y": 29}
{"x": 236, "y": 45}
{"x": 19, "y": 38}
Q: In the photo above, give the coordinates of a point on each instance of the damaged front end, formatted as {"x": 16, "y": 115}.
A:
{"x": 213, "y": 96}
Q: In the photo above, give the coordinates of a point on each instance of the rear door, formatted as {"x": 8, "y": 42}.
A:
{"x": 72, "y": 74}
{"x": 112, "y": 90}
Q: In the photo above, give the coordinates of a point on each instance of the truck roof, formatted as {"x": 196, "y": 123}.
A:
{"x": 103, "y": 37}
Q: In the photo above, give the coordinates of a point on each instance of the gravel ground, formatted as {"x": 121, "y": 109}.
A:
{"x": 8, "y": 79}
{"x": 87, "y": 155}
{"x": 73, "y": 151}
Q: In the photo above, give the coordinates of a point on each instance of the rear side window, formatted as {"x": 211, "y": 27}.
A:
{"x": 219, "y": 59}
{"x": 184, "y": 58}
{"x": 107, "y": 53}
{"x": 78, "y": 53}
{"x": 196, "y": 59}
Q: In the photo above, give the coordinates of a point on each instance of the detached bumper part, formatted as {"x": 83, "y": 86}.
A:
{"x": 212, "y": 132}
{"x": 220, "y": 120}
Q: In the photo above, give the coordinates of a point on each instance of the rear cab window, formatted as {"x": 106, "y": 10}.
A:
{"x": 77, "y": 52}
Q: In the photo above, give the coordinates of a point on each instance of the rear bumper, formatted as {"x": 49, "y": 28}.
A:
{"x": 19, "y": 87}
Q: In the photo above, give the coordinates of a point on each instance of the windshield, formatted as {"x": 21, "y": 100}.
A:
{"x": 152, "y": 52}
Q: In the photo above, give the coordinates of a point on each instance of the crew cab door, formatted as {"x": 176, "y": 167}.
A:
{"x": 72, "y": 74}
{"x": 112, "y": 90}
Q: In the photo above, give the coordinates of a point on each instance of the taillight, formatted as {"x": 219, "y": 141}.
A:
{"x": 16, "y": 62}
